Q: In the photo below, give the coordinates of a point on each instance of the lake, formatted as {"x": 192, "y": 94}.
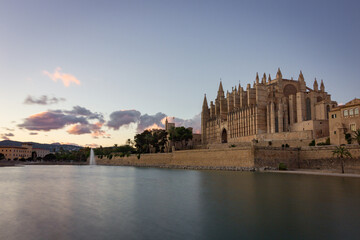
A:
{"x": 112, "y": 202}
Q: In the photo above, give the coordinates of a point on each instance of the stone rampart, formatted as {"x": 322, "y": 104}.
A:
{"x": 317, "y": 157}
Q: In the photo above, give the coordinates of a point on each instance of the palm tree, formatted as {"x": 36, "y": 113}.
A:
{"x": 342, "y": 152}
{"x": 357, "y": 136}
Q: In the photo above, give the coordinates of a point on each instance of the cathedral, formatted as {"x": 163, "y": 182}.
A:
{"x": 272, "y": 110}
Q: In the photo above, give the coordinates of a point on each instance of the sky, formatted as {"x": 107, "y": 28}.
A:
{"x": 98, "y": 72}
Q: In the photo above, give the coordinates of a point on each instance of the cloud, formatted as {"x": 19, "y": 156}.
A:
{"x": 33, "y": 133}
{"x": 50, "y": 120}
{"x": 6, "y": 136}
{"x": 43, "y": 100}
{"x": 123, "y": 118}
{"x": 81, "y": 111}
{"x": 66, "y": 78}
{"x": 92, "y": 145}
{"x": 80, "y": 120}
{"x": 194, "y": 122}
{"x": 149, "y": 120}
{"x": 154, "y": 126}
{"x": 9, "y": 129}
{"x": 146, "y": 121}
{"x": 94, "y": 129}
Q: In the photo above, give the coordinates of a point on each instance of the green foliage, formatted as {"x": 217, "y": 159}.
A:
{"x": 50, "y": 157}
{"x": 2, "y": 156}
{"x": 179, "y": 134}
{"x": 348, "y": 138}
{"x": 114, "y": 151}
{"x": 232, "y": 146}
{"x": 155, "y": 138}
{"x": 282, "y": 166}
{"x": 341, "y": 152}
{"x": 270, "y": 143}
{"x": 327, "y": 142}
{"x": 357, "y": 136}
{"x": 312, "y": 143}
{"x": 80, "y": 155}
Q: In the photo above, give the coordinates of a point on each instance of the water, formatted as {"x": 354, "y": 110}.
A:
{"x": 104, "y": 202}
{"x": 92, "y": 158}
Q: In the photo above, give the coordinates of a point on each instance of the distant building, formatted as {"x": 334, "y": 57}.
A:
{"x": 195, "y": 141}
{"x": 276, "y": 109}
{"x": 25, "y": 151}
{"x": 344, "y": 119}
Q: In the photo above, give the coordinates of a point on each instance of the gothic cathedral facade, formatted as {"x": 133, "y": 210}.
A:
{"x": 271, "y": 110}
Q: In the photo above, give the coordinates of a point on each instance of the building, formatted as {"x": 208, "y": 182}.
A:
{"x": 272, "y": 110}
{"x": 344, "y": 120}
{"x": 25, "y": 151}
{"x": 192, "y": 143}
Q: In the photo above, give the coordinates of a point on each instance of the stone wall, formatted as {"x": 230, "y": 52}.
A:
{"x": 317, "y": 157}
{"x": 231, "y": 157}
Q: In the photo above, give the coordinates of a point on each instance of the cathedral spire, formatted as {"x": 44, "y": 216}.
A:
{"x": 279, "y": 74}
{"x": 301, "y": 76}
{"x": 269, "y": 79}
{"x": 205, "y": 104}
{"x": 322, "y": 86}
{"x": 221, "y": 90}
{"x": 257, "y": 78}
{"x": 316, "y": 86}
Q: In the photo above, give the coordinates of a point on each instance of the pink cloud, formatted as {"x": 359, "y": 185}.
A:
{"x": 154, "y": 126}
{"x": 66, "y": 78}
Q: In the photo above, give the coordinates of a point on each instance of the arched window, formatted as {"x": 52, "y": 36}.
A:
{"x": 346, "y": 113}
{"x": 224, "y": 136}
{"x": 356, "y": 111}
{"x": 308, "y": 109}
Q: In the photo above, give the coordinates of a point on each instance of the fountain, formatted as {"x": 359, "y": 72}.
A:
{"x": 92, "y": 157}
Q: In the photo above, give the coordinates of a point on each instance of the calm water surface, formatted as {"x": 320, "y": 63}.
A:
{"x": 103, "y": 202}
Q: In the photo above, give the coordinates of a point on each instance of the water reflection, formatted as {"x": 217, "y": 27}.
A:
{"x": 72, "y": 202}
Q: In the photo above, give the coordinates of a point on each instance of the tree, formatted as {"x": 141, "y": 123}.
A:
{"x": 155, "y": 138}
{"x": 2, "y": 156}
{"x": 342, "y": 153}
{"x": 49, "y": 157}
{"x": 357, "y": 136}
{"x": 180, "y": 134}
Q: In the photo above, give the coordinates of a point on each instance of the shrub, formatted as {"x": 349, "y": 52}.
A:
{"x": 282, "y": 166}
{"x": 312, "y": 143}
{"x": 287, "y": 145}
{"x": 232, "y": 145}
{"x": 327, "y": 142}
{"x": 270, "y": 143}
{"x": 348, "y": 138}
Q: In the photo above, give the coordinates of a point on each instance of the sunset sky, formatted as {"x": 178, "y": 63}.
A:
{"x": 97, "y": 72}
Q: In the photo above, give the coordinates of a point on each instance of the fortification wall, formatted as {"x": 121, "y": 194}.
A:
{"x": 272, "y": 156}
{"x": 152, "y": 159}
{"x": 317, "y": 157}
{"x": 231, "y": 157}
{"x": 239, "y": 157}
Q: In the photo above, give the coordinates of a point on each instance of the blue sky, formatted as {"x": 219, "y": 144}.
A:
{"x": 144, "y": 57}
